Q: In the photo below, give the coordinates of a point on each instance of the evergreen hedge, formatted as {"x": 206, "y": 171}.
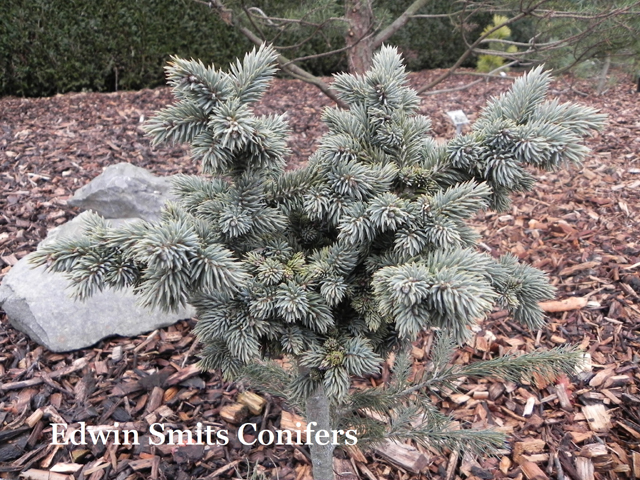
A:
{"x": 49, "y": 46}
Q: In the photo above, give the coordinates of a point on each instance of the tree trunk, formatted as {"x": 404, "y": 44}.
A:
{"x": 602, "y": 83}
{"x": 359, "y": 37}
{"x": 318, "y": 410}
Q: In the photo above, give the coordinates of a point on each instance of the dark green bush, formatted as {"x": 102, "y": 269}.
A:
{"x": 49, "y": 46}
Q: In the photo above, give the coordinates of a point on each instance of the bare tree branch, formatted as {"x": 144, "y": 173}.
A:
{"x": 281, "y": 24}
{"x": 293, "y": 70}
{"x": 436, "y": 15}
{"x": 548, "y": 46}
{"x": 471, "y": 48}
{"x": 259, "y": 25}
{"x": 589, "y": 52}
{"x": 484, "y": 38}
{"x": 317, "y": 29}
{"x": 325, "y": 54}
{"x": 255, "y": 26}
{"x": 398, "y": 23}
{"x": 491, "y": 74}
{"x": 298, "y": 20}
{"x": 581, "y": 16}
{"x": 518, "y": 44}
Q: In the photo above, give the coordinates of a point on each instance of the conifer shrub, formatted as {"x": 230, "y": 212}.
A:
{"x": 337, "y": 264}
{"x": 488, "y": 63}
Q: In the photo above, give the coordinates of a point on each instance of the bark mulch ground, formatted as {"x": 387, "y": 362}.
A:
{"x": 579, "y": 224}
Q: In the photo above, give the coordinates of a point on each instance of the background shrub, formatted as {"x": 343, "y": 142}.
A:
{"x": 49, "y": 47}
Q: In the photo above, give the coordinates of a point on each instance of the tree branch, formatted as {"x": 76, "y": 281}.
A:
{"x": 299, "y": 20}
{"x": 435, "y": 15}
{"x": 489, "y": 74}
{"x": 581, "y": 16}
{"x": 281, "y": 24}
{"x": 470, "y": 50}
{"x": 475, "y": 82}
{"x": 255, "y": 26}
{"x": 548, "y": 46}
{"x": 285, "y": 64}
{"x": 318, "y": 28}
{"x": 503, "y": 54}
{"x": 398, "y": 23}
{"x": 325, "y": 54}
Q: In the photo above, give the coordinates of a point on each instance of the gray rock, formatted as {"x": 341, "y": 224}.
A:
{"x": 75, "y": 228}
{"x": 124, "y": 191}
{"x": 39, "y": 304}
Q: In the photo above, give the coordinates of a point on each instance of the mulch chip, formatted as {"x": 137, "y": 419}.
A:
{"x": 579, "y": 224}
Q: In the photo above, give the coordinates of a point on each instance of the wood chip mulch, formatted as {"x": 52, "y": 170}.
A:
{"x": 579, "y": 224}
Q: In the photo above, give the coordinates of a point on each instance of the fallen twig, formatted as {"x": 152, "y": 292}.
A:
{"x": 573, "y": 303}
{"x": 34, "y": 474}
{"x": 79, "y": 364}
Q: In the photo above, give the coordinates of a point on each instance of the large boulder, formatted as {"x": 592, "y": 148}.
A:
{"x": 124, "y": 191}
{"x": 39, "y": 304}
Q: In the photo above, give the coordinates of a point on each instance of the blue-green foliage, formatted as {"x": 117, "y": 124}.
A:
{"x": 340, "y": 262}
{"x": 349, "y": 257}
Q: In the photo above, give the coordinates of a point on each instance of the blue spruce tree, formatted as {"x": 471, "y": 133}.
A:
{"x": 339, "y": 263}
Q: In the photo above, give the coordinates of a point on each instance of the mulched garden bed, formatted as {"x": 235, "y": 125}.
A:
{"x": 579, "y": 224}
